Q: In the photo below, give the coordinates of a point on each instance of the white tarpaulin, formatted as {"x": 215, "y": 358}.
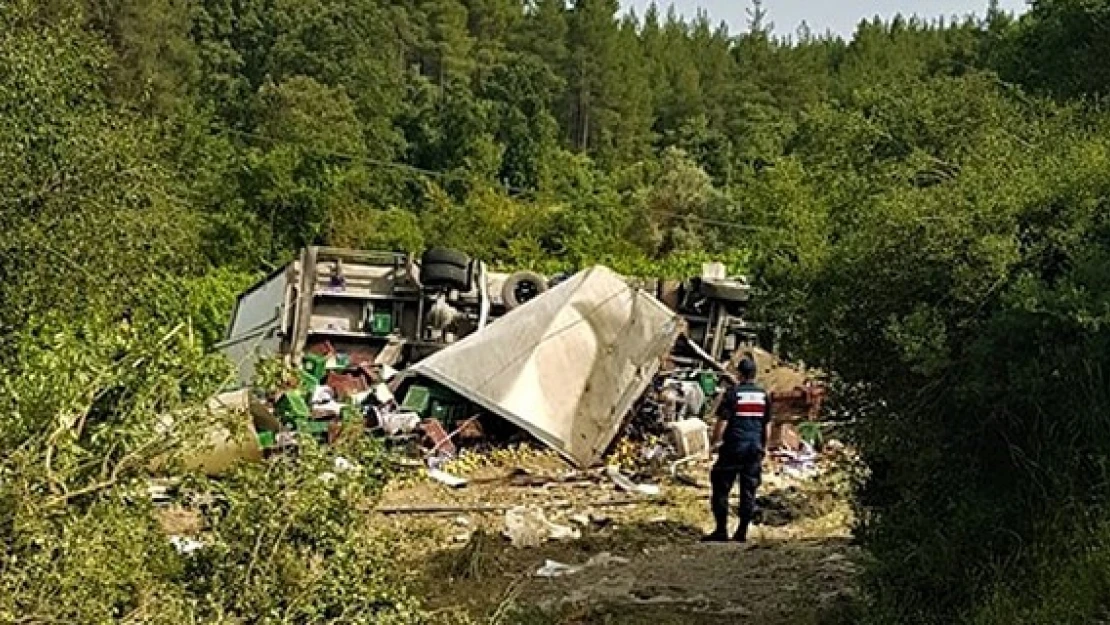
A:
{"x": 567, "y": 366}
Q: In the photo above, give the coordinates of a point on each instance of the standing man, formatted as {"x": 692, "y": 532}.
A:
{"x": 740, "y": 435}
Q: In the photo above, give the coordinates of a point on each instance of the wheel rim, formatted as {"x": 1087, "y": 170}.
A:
{"x": 525, "y": 291}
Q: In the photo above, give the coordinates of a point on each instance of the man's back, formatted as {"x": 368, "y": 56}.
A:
{"x": 748, "y": 409}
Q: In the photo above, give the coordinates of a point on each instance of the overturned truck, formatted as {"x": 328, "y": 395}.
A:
{"x": 562, "y": 360}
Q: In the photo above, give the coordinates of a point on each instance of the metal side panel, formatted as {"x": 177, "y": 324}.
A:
{"x": 255, "y": 330}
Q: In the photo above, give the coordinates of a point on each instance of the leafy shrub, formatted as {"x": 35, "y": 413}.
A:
{"x": 86, "y": 405}
{"x": 290, "y": 541}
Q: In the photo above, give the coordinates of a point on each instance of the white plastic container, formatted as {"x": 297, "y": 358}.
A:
{"x": 691, "y": 437}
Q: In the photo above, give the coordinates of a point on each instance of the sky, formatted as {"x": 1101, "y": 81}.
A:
{"x": 839, "y": 16}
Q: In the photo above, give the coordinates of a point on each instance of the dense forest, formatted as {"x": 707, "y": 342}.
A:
{"x": 924, "y": 209}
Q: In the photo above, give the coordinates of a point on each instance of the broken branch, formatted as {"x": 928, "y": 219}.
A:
{"x": 455, "y": 509}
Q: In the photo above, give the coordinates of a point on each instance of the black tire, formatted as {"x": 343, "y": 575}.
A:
{"x": 444, "y": 275}
{"x": 445, "y": 256}
{"x": 446, "y": 268}
{"x": 522, "y": 287}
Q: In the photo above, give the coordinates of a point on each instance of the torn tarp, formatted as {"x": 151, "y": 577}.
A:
{"x": 567, "y": 366}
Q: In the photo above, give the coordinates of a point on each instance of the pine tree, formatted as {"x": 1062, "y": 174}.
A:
{"x": 542, "y": 34}
{"x": 682, "y": 100}
{"x": 594, "y": 45}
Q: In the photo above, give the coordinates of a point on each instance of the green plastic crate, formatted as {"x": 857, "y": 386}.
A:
{"x": 292, "y": 406}
{"x": 315, "y": 365}
{"x": 307, "y": 383}
{"x": 447, "y": 413}
{"x": 266, "y": 440}
{"x": 708, "y": 382}
{"x": 435, "y": 402}
{"x": 381, "y": 324}
{"x": 417, "y": 399}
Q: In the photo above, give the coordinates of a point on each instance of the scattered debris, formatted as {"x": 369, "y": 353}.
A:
{"x": 437, "y": 438}
{"x": 627, "y": 485}
{"x": 452, "y": 481}
{"x": 801, "y": 464}
{"x": 527, "y": 526}
{"x": 185, "y": 546}
{"x": 395, "y": 423}
{"x": 690, "y": 438}
{"x": 551, "y": 568}
{"x": 435, "y": 508}
{"x": 428, "y": 357}
{"x": 682, "y": 477}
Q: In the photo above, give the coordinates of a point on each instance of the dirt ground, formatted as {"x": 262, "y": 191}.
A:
{"x": 643, "y": 560}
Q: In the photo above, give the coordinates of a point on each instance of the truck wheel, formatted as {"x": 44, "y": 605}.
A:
{"x": 522, "y": 287}
{"x": 448, "y": 276}
{"x": 443, "y": 267}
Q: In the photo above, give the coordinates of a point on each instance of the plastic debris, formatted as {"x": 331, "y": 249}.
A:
{"x": 322, "y": 395}
{"x": 690, "y": 438}
{"x": 801, "y": 465}
{"x": 328, "y": 409}
{"x": 342, "y": 465}
{"x": 551, "y": 568}
{"x": 627, "y": 485}
{"x": 446, "y": 479}
{"x": 529, "y": 527}
{"x": 394, "y": 423}
{"x": 382, "y": 394}
{"x": 185, "y": 545}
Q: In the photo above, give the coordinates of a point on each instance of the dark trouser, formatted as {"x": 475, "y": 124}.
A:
{"x": 744, "y": 463}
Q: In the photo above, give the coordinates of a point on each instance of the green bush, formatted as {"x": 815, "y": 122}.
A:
{"x": 204, "y": 303}
{"x": 972, "y": 318}
{"x": 290, "y": 541}
{"x": 86, "y": 408}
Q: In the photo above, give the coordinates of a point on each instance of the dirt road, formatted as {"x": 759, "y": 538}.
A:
{"x": 640, "y": 563}
{"x": 681, "y": 582}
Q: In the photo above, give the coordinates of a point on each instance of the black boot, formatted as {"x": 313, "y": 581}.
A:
{"x": 741, "y": 535}
{"x": 719, "y": 535}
